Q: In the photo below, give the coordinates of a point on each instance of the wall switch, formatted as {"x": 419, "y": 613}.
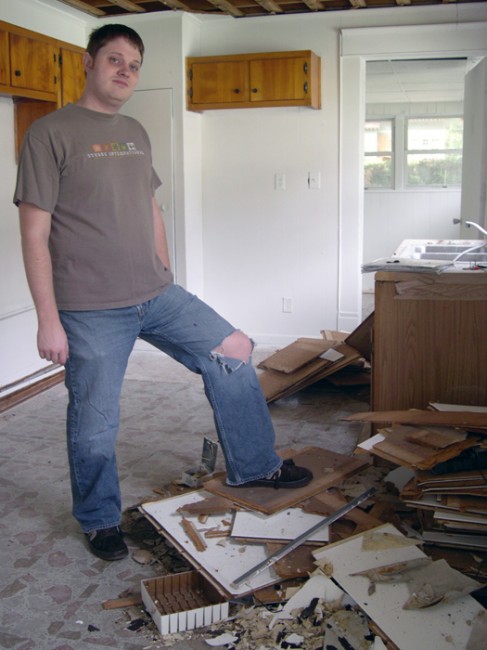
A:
{"x": 314, "y": 180}
{"x": 287, "y": 305}
{"x": 279, "y": 181}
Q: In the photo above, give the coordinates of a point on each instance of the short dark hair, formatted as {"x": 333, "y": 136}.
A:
{"x": 100, "y": 36}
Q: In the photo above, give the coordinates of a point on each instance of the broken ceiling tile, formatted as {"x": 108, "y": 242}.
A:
{"x": 442, "y": 628}
{"x": 318, "y": 586}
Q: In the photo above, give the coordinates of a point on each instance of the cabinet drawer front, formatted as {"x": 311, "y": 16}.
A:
{"x": 219, "y": 82}
{"x": 32, "y": 64}
{"x": 280, "y": 79}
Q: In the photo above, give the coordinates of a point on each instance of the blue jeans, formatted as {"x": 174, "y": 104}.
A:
{"x": 184, "y": 327}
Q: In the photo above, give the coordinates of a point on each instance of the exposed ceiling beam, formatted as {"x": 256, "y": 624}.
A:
{"x": 84, "y": 6}
{"x": 314, "y": 5}
{"x": 176, "y": 4}
{"x": 227, "y": 8}
{"x": 128, "y": 6}
{"x": 270, "y": 6}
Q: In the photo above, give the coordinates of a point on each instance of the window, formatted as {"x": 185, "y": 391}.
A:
{"x": 434, "y": 151}
{"x": 378, "y": 148}
{"x": 413, "y": 152}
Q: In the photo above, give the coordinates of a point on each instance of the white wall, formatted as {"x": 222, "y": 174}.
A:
{"x": 241, "y": 244}
{"x": 18, "y": 324}
{"x": 262, "y": 244}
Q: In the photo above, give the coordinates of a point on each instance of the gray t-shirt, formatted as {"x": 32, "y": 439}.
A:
{"x": 93, "y": 172}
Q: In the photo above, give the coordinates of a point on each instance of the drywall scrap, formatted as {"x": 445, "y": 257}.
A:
{"x": 440, "y": 626}
{"x": 370, "y": 587}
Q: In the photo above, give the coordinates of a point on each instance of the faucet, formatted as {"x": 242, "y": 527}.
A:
{"x": 472, "y": 248}
{"x": 471, "y": 223}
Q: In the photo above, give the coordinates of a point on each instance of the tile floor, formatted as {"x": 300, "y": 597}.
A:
{"x": 51, "y": 588}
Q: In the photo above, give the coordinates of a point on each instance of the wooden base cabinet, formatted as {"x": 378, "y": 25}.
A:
{"x": 429, "y": 340}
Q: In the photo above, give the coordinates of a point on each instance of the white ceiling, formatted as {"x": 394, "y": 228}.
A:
{"x": 432, "y": 80}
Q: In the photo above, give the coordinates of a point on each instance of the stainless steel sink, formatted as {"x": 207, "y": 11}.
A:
{"x": 445, "y": 250}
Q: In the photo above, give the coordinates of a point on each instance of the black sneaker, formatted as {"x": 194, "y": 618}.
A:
{"x": 288, "y": 475}
{"x": 107, "y": 543}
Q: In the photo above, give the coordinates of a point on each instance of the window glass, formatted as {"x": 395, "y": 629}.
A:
{"x": 434, "y": 151}
{"x": 378, "y": 149}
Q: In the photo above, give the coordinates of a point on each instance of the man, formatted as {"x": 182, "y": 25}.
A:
{"x": 98, "y": 268}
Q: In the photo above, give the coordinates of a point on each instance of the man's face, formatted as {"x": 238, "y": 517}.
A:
{"x": 112, "y": 75}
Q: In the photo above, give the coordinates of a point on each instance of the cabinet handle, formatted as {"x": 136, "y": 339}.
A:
{"x": 255, "y": 90}
{"x": 305, "y": 67}
{"x": 305, "y": 87}
{"x": 236, "y": 91}
{"x": 18, "y": 73}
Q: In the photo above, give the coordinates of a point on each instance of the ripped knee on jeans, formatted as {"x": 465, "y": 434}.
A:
{"x": 235, "y": 346}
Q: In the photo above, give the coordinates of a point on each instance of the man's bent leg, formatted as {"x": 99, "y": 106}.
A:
{"x": 100, "y": 343}
{"x": 190, "y": 331}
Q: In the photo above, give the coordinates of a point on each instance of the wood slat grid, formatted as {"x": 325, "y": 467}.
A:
{"x": 241, "y": 8}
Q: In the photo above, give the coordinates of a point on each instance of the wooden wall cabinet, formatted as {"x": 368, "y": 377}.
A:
{"x": 39, "y": 72}
{"x": 254, "y": 80}
{"x": 33, "y": 64}
{"x": 429, "y": 340}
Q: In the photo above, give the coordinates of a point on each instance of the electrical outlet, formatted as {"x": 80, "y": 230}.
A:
{"x": 287, "y": 305}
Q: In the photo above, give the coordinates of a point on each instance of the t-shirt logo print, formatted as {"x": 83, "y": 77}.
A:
{"x": 114, "y": 149}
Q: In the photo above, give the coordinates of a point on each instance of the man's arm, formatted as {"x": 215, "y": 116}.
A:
{"x": 160, "y": 235}
{"x": 35, "y": 226}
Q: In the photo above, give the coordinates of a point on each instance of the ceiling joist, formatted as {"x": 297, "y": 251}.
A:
{"x": 243, "y": 8}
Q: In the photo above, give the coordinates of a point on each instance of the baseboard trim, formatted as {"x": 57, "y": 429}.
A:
{"x": 25, "y": 392}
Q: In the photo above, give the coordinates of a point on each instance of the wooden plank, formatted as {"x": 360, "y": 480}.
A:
{"x": 436, "y": 438}
{"x": 296, "y": 355}
{"x": 417, "y": 416}
{"x": 329, "y": 469}
{"x": 397, "y": 446}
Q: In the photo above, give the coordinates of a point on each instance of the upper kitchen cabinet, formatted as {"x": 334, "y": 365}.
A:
{"x": 39, "y": 72}
{"x": 72, "y": 74}
{"x": 33, "y": 64}
{"x": 254, "y": 80}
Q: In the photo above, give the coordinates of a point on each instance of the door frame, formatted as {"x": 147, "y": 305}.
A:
{"x": 357, "y": 46}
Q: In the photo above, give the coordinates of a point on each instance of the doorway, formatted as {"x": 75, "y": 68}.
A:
{"x": 358, "y": 46}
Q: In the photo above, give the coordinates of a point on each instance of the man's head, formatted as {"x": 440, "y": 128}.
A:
{"x": 102, "y": 35}
{"x": 112, "y": 63}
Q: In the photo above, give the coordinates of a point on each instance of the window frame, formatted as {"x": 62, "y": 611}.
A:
{"x": 378, "y": 154}
{"x": 400, "y": 152}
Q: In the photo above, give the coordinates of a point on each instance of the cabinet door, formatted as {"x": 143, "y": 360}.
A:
{"x": 4, "y": 59}
{"x": 279, "y": 79}
{"x": 219, "y": 82}
{"x": 72, "y": 75}
{"x": 33, "y": 63}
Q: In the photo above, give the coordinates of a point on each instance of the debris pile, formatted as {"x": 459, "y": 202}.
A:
{"x": 443, "y": 457}
{"x": 383, "y": 549}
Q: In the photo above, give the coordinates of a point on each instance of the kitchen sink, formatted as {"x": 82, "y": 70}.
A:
{"x": 444, "y": 250}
